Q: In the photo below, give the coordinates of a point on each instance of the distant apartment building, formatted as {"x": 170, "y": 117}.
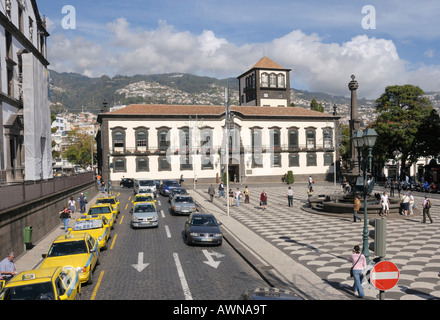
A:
{"x": 262, "y": 143}
{"x": 25, "y": 136}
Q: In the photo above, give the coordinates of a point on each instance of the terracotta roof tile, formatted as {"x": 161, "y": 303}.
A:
{"x": 176, "y": 110}
{"x": 266, "y": 63}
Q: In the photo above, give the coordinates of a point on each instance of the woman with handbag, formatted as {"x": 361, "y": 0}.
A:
{"x": 359, "y": 263}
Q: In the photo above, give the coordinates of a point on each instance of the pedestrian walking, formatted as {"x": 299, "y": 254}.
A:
{"x": 411, "y": 203}
{"x": 426, "y": 206}
{"x": 385, "y": 202}
{"x": 231, "y": 197}
{"x": 238, "y": 195}
{"x": 310, "y": 181}
{"x": 289, "y": 195}
{"x": 82, "y": 203}
{"x": 211, "y": 192}
{"x": 103, "y": 186}
{"x": 358, "y": 264}
{"x": 246, "y": 195}
{"x": 263, "y": 200}
{"x": 7, "y": 267}
{"x": 221, "y": 190}
{"x": 309, "y": 195}
{"x": 65, "y": 215}
{"x": 72, "y": 205}
{"x": 356, "y": 207}
{"x": 405, "y": 202}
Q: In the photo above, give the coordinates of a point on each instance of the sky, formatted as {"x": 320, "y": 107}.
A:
{"x": 324, "y": 42}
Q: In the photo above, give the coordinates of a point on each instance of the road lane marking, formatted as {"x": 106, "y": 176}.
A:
{"x": 162, "y": 214}
{"x": 167, "y": 230}
{"x": 182, "y": 278}
{"x": 122, "y": 218}
{"x": 113, "y": 242}
{"x": 97, "y": 286}
{"x": 126, "y": 206}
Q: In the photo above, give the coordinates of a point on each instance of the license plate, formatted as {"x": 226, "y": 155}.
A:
{"x": 206, "y": 239}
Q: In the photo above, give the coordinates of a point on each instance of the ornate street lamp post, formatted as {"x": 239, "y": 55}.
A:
{"x": 368, "y": 139}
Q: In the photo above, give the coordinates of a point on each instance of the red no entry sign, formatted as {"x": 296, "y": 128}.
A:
{"x": 384, "y": 275}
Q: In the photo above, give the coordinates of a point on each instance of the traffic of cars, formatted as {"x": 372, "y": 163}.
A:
{"x": 72, "y": 258}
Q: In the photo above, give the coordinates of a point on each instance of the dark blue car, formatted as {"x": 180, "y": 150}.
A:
{"x": 167, "y": 186}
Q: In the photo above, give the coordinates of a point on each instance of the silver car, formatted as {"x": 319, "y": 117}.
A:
{"x": 144, "y": 216}
{"x": 183, "y": 204}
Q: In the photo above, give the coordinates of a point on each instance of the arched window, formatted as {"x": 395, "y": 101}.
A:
{"x": 163, "y": 141}
{"x": 119, "y": 165}
{"x": 273, "y": 80}
{"x": 281, "y": 81}
{"x": 142, "y": 165}
{"x": 119, "y": 141}
{"x": 328, "y": 138}
{"x": 265, "y": 80}
{"x": 293, "y": 138}
{"x": 141, "y": 140}
{"x": 310, "y": 139}
{"x": 257, "y": 148}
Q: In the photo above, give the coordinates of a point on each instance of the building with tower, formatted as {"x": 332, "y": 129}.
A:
{"x": 266, "y": 84}
{"x": 265, "y": 139}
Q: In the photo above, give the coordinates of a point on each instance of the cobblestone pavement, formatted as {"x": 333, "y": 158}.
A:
{"x": 323, "y": 243}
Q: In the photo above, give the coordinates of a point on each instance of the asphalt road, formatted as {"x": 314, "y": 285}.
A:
{"x": 156, "y": 264}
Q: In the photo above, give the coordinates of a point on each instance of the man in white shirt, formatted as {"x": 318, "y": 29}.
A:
{"x": 289, "y": 195}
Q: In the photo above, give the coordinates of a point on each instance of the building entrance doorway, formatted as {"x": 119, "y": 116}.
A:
{"x": 234, "y": 173}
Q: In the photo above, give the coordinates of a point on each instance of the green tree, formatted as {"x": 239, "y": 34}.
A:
{"x": 79, "y": 150}
{"x": 289, "y": 178}
{"x": 407, "y": 124}
{"x": 314, "y": 105}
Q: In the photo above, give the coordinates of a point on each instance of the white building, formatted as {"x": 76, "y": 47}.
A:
{"x": 25, "y": 136}
{"x": 167, "y": 141}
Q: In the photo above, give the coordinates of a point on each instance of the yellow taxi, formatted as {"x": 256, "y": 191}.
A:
{"x": 57, "y": 283}
{"x": 104, "y": 209}
{"x": 79, "y": 250}
{"x": 96, "y": 225}
{"x": 111, "y": 200}
{"x": 143, "y": 197}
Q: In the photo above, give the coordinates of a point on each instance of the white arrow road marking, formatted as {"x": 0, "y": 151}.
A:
{"x": 140, "y": 265}
{"x": 182, "y": 278}
{"x": 211, "y": 262}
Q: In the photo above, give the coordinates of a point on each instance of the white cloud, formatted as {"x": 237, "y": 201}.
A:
{"x": 322, "y": 66}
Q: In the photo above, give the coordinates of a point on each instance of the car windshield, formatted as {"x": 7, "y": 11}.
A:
{"x": 171, "y": 183}
{"x": 34, "y": 291}
{"x": 147, "y": 183}
{"x": 183, "y": 199}
{"x": 179, "y": 191}
{"x": 99, "y": 210}
{"x": 110, "y": 200}
{"x": 87, "y": 224}
{"x": 59, "y": 249}
{"x": 144, "y": 198}
{"x": 144, "y": 208}
{"x": 203, "y": 221}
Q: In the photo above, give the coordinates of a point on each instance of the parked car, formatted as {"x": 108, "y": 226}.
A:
{"x": 97, "y": 226}
{"x": 55, "y": 283}
{"x": 144, "y": 215}
{"x": 176, "y": 191}
{"x": 142, "y": 197}
{"x": 126, "y": 183}
{"x": 77, "y": 250}
{"x": 167, "y": 186}
{"x": 202, "y": 228}
{"x": 183, "y": 204}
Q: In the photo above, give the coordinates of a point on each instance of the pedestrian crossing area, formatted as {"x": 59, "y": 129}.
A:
{"x": 323, "y": 243}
